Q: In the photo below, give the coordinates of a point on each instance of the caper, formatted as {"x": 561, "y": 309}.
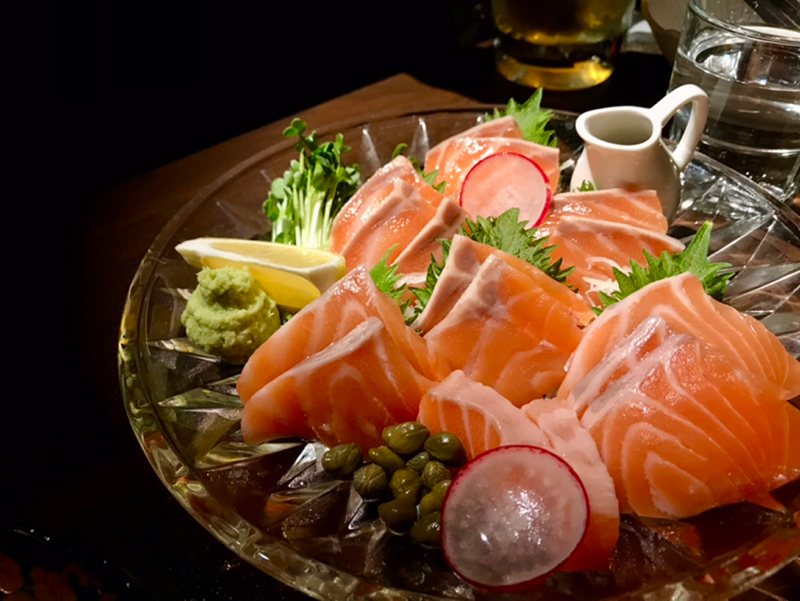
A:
{"x": 407, "y": 438}
{"x": 342, "y": 460}
{"x": 434, "y": 500}
{"x": 434, "y": 473}
{"x": 418, "y": 462}
{"x": 447, "y": 448}
{"x": 386, "y": 434}
{"x": 399, "y": 514}
{"x": 406, "y": 484}
{"x": 387, "y": 459}
{"x": 370, "y": 481}
{"x": 427, "y": 529}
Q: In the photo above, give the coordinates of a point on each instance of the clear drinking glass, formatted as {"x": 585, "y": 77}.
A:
{"x": 563, "y": 45}
{"x": 750, "y": 69}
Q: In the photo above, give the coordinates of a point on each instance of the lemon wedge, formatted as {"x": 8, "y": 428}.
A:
{"x": 292, "y": 275}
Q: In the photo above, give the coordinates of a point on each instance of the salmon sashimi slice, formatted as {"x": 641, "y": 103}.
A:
{"x": 483, "y": 420}
{"x": 640, "y": 209}
{"x": 462, "y": 154}
{"x": 640, "y": 347}
{"x": 507, "y": 332}
{"x": 676, "y": 431}
{"x": 416, "y": 256}
{"x": 346, "y": 393}
{"x": 683, "y": 303}
{"x": 481, "y": 417}
{"x": 369, "y": 197}
{"x": 463, "y": 261}
{"x": 327, "y": 319}
{"x": 391, "y": 227}
{"x": 572, "y": 442}
{"x": 594, "y": 248}
{"x": 505, "y": 127}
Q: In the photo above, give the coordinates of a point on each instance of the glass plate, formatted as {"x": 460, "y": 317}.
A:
{"x": 272, "y": 505}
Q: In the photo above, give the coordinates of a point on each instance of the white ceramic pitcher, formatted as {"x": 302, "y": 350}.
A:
{"x": 624, "y": 148}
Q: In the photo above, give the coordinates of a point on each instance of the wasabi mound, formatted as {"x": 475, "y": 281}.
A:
{"x": 228, "y": 314}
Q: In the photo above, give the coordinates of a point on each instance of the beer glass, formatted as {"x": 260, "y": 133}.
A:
{"x": 559, "y": 44}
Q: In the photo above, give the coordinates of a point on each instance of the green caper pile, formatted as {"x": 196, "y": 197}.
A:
{"x": 410, "y": 474}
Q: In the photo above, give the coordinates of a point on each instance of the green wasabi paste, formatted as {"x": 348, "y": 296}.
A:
{"x": 229, "y": 314}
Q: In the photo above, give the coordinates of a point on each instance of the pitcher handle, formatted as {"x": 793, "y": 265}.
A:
{"x": 665, "y": 108}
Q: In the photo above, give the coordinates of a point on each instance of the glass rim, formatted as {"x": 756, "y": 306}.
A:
{"x": 746, "y": 32}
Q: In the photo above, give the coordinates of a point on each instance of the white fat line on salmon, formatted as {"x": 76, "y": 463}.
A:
{"x": 694, "y": 346}
{"x": 590, "y": 385}
{"x": 718, "y": 322}
{"x": 658, "y": 494}
{"x": 598, "y": 285}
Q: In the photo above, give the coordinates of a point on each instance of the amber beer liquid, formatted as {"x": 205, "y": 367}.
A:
{"x": 559, "y": 44}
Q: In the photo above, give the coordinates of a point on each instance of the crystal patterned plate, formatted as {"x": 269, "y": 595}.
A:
{"x": 273, "y": 506}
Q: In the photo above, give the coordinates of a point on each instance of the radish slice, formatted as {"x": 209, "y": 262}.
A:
{"x": 503, "y": 181}
{"x": 511, "y": 516}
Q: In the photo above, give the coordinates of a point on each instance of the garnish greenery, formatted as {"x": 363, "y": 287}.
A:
{"x": 586, "y": 186}
{"x": 530, "y": 117}
{"x": 505, "y": 232}
{"x": 386, "y": 277}
{"x": 428, "y": 178}
{"x": 302, "y": 204}
{"x": 693, "y": 259}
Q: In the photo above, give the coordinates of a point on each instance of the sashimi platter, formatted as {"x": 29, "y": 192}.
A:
{"x": 411, "y": 359}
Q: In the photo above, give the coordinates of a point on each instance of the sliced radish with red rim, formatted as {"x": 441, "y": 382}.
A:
{"x": 503, "y": 181}
{"x": 512, "y": 516}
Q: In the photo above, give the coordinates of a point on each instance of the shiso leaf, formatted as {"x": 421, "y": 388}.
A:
{"x": 386, "y": 278}
{"x": 693, "y": 259}
{"x": 505, "y": 232}
{"x": 531, "y": 118}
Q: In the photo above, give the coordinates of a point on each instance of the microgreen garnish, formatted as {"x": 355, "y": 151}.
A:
{"x": 693, "y": 259}
{"x": 531, "y": 118}
{"x": 302, "y": 204}
{"x": 428, "y": 178}
{"x": 586, "y": 186}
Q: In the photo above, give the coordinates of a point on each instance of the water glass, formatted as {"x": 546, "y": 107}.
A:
{"x": 750, "y": 69}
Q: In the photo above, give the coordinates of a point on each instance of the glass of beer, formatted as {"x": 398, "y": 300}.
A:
{"x": 559, "y": 44}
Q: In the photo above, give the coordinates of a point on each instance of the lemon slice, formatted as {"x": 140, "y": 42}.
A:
{"x": 292, "y": 275}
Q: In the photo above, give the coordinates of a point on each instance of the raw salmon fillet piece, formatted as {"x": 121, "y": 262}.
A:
{"x": 463, "y": 153}
{"x": 570, "y": 440}
{"x": 508, "y": 332}
{"x": 594, "y": 248}
{"x": 371, "y": 195}
{"x": 326, "y": 320}
{"x": 505, "y": 127}
{"x": 346, "y": 393}
{"x": 640, "y": 209}
{"x": 463, "y": 261}
{"x": 679, "y": 430}
{"x": 684, "y": 305}
{"x": 395, "y": 223}
{"x": 483, "y": 419}
{"x": 416, "y": 256}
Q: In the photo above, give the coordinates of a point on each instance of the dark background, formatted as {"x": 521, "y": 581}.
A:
{"x": 100, "y": 92}
{"x": 146, "y": 83}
